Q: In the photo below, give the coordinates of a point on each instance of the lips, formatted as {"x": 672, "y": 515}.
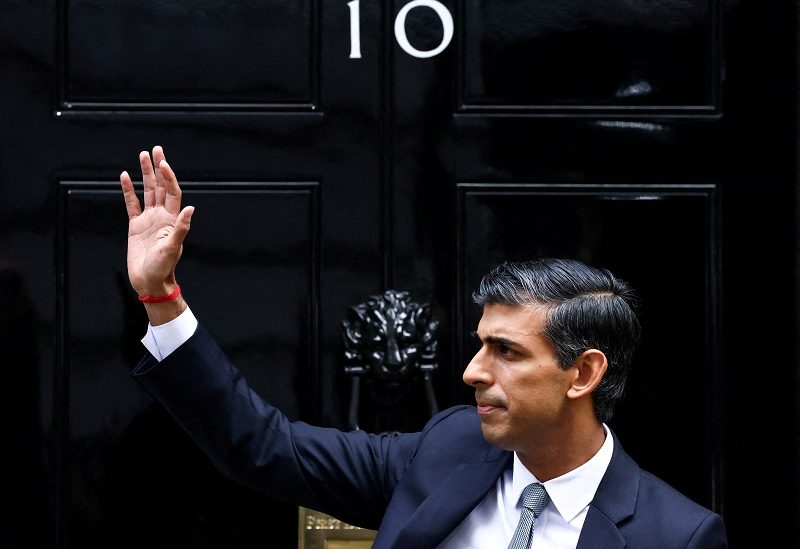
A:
{"x": 486, "y": 409}
{"x": 486, "y": 406}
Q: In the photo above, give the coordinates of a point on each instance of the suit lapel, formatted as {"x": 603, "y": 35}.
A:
{"x": 614, "y": 501}
{"x": 451, "y": 502}
{"x": 600, "y": 532}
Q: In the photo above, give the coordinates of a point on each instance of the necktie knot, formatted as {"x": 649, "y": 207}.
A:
{"x": 534, "y": 498}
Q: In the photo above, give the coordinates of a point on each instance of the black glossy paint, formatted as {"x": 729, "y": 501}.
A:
{"x": 257, "y": 54}
{"x": 520, "y": 56}
{"x": 654, "y": 138}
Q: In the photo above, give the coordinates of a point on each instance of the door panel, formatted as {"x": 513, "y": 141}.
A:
{"x": 109, "y": 47}
{"x": 121, "y": 455}
{"x": 538, "y": 57}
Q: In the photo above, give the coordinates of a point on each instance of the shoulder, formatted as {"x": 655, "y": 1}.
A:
{"x": 655, "y": 491}
{"x": 456, "y": 421}
{"x": 665, "y": 509}
{"x": 456, "y": 430}
{"x": 646, "y": 508}
{"x": 634, "y": 489}
{"x": 454, "y": 415}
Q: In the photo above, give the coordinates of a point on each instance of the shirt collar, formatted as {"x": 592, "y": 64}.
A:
{"x": 573, "y": 491}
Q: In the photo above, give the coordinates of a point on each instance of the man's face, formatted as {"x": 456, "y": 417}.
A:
{"x": 521, "y": 392}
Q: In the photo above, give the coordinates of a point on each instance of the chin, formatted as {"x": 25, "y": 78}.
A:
{"x": 493, "y": 436}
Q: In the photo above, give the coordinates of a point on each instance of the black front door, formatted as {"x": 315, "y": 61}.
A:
{"x": 335, "y": 150}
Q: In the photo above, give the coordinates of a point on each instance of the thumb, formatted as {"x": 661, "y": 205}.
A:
{"x": 182, "y": 224}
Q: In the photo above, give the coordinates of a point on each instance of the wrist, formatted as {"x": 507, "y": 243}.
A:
{"x": 156, "y": 289}
{"x": 162, "y": 298}
{"x": 161, "y": 313}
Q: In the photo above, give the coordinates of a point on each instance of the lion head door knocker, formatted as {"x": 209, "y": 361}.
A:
{"x": 390, "y": 343}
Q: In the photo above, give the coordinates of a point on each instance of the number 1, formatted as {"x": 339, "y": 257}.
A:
{"x": 355, "y": 30}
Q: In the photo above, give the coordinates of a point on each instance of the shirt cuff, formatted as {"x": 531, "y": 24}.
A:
{"x": 162, "y": 340}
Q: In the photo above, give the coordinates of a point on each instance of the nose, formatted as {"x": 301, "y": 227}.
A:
{"x": 476, "y": 374}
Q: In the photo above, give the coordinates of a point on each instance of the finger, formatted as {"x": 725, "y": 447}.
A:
{"x": 172, "y": 201}
{"x": 129, "y": 194}
{"x": 148, "y": 179}
{"x": 182, "y": 225}
{"x": 161, "y": 184}
{"x": 158, "y": 155}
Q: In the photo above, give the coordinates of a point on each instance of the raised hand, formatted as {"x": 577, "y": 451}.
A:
{"x": 155, "y": 234}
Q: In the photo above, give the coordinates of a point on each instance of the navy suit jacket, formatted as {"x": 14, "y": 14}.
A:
{"x": 414, "y": 488}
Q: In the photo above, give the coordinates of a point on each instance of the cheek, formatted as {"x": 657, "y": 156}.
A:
{"x": 535, "y": 395}
{"x": 522, "y": 395}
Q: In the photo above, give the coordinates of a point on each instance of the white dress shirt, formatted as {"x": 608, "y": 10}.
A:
{"x": 492, "y": 523}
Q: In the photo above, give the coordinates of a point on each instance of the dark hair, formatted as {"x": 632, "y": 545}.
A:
{"x": 587, "y": 308}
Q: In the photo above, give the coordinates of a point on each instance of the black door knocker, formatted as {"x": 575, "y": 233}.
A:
{"x": 390, "y": 343}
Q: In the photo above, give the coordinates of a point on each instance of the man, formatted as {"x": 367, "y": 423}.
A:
{"x": 534, "y": 465}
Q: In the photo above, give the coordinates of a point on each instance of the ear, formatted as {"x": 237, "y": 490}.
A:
{"x": 589, "y": 368}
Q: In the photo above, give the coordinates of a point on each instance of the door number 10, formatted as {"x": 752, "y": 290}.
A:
{"x": 400, "y": 28}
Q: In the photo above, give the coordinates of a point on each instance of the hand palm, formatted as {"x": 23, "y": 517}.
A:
{"x": 151, "y": 253}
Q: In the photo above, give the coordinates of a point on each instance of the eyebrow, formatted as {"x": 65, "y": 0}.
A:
{"x": 495, "y": 340}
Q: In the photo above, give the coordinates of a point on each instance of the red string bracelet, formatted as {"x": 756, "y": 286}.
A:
{"x": 161, "y": 298}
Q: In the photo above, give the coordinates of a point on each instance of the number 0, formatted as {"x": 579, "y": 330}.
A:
{"x": 400, "y": 28}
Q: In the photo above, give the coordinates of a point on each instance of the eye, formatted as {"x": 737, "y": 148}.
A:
{"x": 504, "y": 349}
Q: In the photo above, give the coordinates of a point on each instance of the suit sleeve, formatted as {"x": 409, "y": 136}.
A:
{"x": 348, "y": 475}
